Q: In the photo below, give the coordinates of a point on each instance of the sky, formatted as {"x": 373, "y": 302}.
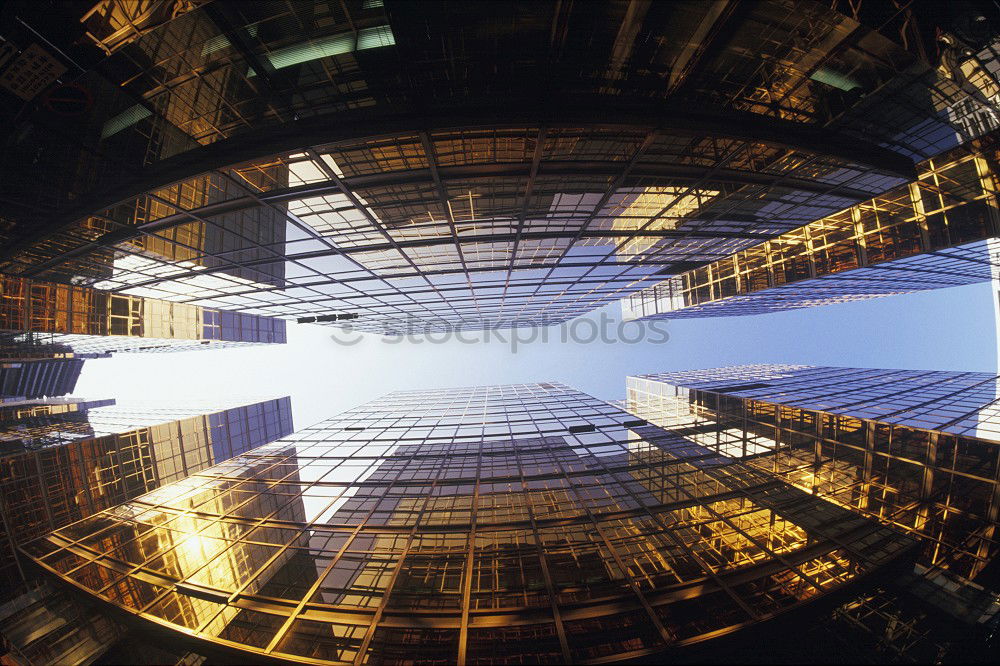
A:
{"x": 944, "y": 329}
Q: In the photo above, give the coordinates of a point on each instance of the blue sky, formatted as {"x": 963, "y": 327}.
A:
{"x": 945, "y": 329}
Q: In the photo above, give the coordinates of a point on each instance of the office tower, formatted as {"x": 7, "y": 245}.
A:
{"x": 45, "y": 320}
{"x": 47, "y": 330}
{"x": 64, "y": 460}
{"x": 39, "y": 378}
{"x": 941, "y": 230}
{"x": 525, "y": 523}
{"x": 41, "y": 422}
{"x": 914, "y": 449}
{"x": 388, "y": 165}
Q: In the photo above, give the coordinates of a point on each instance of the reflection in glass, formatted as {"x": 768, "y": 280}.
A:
{"x": 538, "y": 541}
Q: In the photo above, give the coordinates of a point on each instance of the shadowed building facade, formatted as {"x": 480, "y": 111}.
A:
{"x": 37, "y": 378}
{"x": 386, "y": 165}
{"x": 514, "y": 523}
{"x": 916, "y": 448}
{"x": 32, "y": 424}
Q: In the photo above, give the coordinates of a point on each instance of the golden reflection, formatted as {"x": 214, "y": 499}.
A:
{"x": 947, "y": 206}
{"x": 877, "y": 469}
{"x": 655, "y": 209}
{"x": 437, "y": 527}
{"x": 47, "y": 320}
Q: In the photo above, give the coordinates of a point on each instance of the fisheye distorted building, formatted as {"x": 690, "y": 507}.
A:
{"x": 48, "y": 330}
{"x": 64, "y": 459}
{"x": 389, "y": 166}
{"x": 191, "y": 174}
{"x": 919, "y": 450}
{"x": 941, "y": 230}
{"x": 44, "y": 319}
{"x": 520, "y": 523}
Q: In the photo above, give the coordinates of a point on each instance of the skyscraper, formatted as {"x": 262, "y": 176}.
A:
{"x": 941, "y": 230}
{"x": 918, "y": 450}
{"x": 190, "y": 174}
{"x": 47, "y": 330}
{"x": 515, "y": 523}
{"x": 389, "y": 167}
{"x": 64, "y": 460}
{"x": 38, "y": 378}
{"x": 49, "y": 320}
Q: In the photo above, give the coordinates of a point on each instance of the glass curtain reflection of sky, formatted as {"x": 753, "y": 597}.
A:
{"x": 946, "y": 329}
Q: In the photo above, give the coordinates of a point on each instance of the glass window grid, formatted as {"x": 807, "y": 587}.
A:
{"x": 121, "y": 453}
{"x": 61, "y": 319}
{"x": 902, "y": 460}
{"x": 571, "y": 509}
{"x": 875, "y": 248}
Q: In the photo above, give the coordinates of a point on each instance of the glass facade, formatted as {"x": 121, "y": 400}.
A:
{"x": 38, "y": 378}
{"x": 917, "y": 449}
{"x": 215, "y": 168}
{"x": 938, "y": 231}
{"x": 44, "y": 319}
{"x": 508, "y": 524}
{"x": 981, "y": 71}
{"x": 64, "y": 460}
{"x": 33, "y": 424}
{"x": 374, "y": 163}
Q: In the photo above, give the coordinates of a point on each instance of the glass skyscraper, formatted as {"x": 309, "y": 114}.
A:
{"x": 35, "y": 378}
{"x": 914, "y": 449}
{"x": 47, "y": 330}
{"x": 941, "y": 230}
{"x": 389, "y": 167}
{"x": 49, "y": 320}
{"x": 192, "y": 174}
{"x": 506, "y": 524}
{"x": 63, "y": 460}
{"x": 917, "y": 449}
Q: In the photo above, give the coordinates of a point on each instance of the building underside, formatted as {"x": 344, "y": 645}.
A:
{"x": 918, "y": 450}
{"x": 940, "y": 230}
{"x": 388, "y": 166}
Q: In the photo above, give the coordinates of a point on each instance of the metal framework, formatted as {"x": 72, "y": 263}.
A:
{"x": 61, "y": 462}
{"x": 917, "y": 449}
{"x": 940, "y": 230}
{"x": 481, "y": 525}
{"x": 356, "y": 161}
{"x": 40, "y": 320}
